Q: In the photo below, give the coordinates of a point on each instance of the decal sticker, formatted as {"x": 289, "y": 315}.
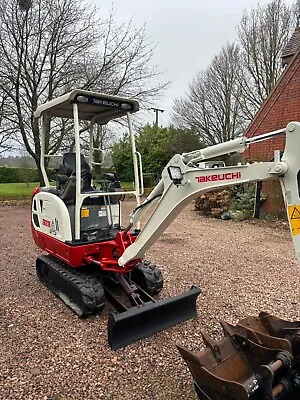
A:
{"x": 294, "y": 218}
{"x": 85, "y": 213}
{"x": 56, "y": 225}
{"x": 53, "y": 228}
{"x": 253, "y": 386}
{"x": 102, "y": 213}
{"x": 218, "y": 177}
{"x": 46, "y": 223}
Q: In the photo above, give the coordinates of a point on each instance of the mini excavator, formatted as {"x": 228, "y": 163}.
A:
{"x": 79, "y": 226}
{"x": 92, "y": 259}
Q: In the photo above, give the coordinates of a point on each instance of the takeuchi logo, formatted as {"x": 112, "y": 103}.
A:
{"x": 218, "y": 177}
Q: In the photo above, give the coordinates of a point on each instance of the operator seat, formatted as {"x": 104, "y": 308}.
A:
{"x": 68, "y": 168}
{"x": 66, "y": 180}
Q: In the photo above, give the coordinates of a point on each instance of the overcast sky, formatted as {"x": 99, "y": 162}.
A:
{"x": 188, "y": 33}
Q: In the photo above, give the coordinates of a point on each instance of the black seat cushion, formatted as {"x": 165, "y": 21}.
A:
{"x": 50, "y": 189}
{"x": 68, "y": 168}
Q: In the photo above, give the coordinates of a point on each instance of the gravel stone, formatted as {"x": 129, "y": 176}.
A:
{"x": 48, "y": 353}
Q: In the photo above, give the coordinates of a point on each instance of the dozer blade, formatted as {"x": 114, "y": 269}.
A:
{"x": 140, "y": 322}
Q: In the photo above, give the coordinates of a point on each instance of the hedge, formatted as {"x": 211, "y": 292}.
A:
{"x": 149, "y": 180}
{"x": 28, "y": 175}
{"x": 21, "y": 174}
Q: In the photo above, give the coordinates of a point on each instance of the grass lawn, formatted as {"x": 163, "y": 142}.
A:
{"x": 17, "y": 191}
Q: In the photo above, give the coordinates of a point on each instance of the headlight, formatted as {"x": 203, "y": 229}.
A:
{"x": 82, "y": 99}
{"x": 175, "y": 174}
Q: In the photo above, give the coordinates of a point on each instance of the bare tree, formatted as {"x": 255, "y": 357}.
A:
{"x": 212, "y": 105}
{"x": 263, "y": 32}
{"x": 5, "y": 131}
{"x": 296, "y": 10}
{"x": 57, "y": 45}
{"x": 121, "y": 62}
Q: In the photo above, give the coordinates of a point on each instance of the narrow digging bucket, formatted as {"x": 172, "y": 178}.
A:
{"x": 216, "y": 380}
{"x": 140, "y": 322}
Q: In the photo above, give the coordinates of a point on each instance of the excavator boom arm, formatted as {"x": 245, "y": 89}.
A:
{"x": 173, "y": 193}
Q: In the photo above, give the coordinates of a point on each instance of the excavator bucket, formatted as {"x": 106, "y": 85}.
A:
{"x": 258, "y": 359}
{"x": 238, "y": 369}
{"x": 127, "y": 327}
{"x": 261, "y": 338}
{"x": 272, "y": 331}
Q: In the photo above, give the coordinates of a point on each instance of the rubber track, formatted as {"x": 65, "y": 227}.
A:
{"x": 88, "y": 289}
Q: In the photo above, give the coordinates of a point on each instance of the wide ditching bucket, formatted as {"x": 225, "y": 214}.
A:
{"x": 139, "y": 322}
{"x": 272, "y": 331}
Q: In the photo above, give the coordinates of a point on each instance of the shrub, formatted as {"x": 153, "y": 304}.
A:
{"x": 238, "y": 201}
{"x": 244, "y": 199}
{"x": 215, "y": 202}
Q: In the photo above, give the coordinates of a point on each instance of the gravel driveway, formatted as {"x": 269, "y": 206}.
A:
{"x": 48, "y": 353}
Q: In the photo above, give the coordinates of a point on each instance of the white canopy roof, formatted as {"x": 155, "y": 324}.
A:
{"x": 91, "y": 105}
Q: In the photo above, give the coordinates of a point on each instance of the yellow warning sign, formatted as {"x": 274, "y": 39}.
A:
{"x": 294, "y": 217}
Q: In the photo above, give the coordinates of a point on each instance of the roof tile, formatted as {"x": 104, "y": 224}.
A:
{"x": 292, "y": 45}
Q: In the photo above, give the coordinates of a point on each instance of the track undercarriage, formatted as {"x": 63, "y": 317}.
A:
{"x": 136, "y": 313}
{"x": 257, "y": 359}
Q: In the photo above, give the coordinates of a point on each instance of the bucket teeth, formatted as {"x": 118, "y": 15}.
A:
{"x": 256, "y": 359}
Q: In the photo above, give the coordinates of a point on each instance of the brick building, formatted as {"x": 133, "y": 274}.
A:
{"x": 281, "y": 107}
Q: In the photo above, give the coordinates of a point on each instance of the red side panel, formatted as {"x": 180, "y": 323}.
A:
{"x": 106, "y": 253}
